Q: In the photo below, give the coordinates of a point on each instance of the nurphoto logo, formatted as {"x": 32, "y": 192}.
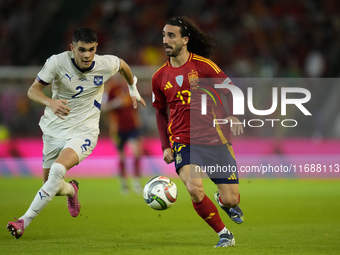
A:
{"x": 238, "y": 105}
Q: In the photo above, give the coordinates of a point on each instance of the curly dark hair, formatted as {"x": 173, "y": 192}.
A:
{"x": 199, "y": 42}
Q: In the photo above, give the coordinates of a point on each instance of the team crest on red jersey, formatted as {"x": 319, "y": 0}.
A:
{"x": 193, "y": 78}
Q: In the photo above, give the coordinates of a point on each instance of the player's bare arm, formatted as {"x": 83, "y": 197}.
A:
{"x": 59, "y": 107}
{"x": 131, "y": 80}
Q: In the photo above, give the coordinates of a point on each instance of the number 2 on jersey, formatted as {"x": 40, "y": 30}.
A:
{"x": 81, "y": 90}
{"x": 180, "y": 95}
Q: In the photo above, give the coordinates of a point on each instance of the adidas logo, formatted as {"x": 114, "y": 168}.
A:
{"x": 168, "y": 86}
{"x": 232, "y": 177}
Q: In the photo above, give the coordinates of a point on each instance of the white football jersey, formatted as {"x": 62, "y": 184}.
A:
{"x": 82, "y": 90}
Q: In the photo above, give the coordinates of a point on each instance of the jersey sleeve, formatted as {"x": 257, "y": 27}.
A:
{"x": 113, "y": 62}
{"x": 158, "y": 97}
{"x": 224, "y": 79}
{"x": 217, "y": 76}
{"x": 47, "y": 73}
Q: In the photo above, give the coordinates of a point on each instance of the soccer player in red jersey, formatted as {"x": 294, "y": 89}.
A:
{"x": 124, "y": 128}
{"x": 191, "y": 138}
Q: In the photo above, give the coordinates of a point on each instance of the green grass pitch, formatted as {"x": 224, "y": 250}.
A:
{"x": 282, "y": 216}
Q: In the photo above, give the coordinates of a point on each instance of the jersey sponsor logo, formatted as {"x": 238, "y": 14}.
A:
{"x": 68, "y": 76}
{"x": 82, "y": 78}
{"x": 179, "y": 80}
{"x": 168, "y": 85}
{"x": 193, "y": 78}
{"x": 98, "y": 80}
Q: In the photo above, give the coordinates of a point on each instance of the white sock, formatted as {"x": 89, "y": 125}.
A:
{"x": 65, "y": 189}
{"x": 46, "y": 193}
{"x": 27, "y": 220}
{"x": 223, "y": 231}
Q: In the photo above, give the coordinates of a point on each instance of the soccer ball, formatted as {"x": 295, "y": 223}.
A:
{"x": 160, "y": 193}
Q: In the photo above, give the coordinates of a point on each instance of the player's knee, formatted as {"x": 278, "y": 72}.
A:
{"x": 196, "y": 192}
{"x": 57, "y": 171}
{"x": 230, "y": 200}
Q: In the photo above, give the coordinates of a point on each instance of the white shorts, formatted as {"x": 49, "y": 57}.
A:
{"x": 82, "y": 145}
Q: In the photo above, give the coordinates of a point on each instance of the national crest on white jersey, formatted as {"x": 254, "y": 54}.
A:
{"x": 98, "y": 80}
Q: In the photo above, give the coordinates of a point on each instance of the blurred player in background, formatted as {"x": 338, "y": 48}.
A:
{"x": 124, "y": 128}
{"x": 175, "y": 85}
{"x": 70, "y": 123}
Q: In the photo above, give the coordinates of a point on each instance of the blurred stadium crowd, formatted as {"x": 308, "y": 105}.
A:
{"x": 256, "y": 38}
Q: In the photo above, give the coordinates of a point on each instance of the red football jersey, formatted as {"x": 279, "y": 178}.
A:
{"x": 125, "y": 118}
{"x": 182, "y": 88}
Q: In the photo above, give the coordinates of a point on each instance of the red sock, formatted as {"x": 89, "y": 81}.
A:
{"x": 137, "y": 168}
{"x": 208, "y": 212}
{"x": 122, "y": 168}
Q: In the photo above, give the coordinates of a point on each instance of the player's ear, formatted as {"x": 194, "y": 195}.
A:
{"x": 71, "y": 46}
{"x": 186, "y": 40}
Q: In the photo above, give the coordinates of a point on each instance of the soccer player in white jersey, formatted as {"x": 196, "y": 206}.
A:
{"x": 70, "y": 123}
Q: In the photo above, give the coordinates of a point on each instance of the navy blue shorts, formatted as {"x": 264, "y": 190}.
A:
{"x": 123, "y": 137}
{"x": 217, "y": 161}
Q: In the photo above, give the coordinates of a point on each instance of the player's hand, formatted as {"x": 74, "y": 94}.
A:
{"x": 134, "y": 102}
{"x": 59, "y": 107}
{"x": 168, "y": 156}
{"x": 235, "y": 126}
{"x": 135, "y": 94}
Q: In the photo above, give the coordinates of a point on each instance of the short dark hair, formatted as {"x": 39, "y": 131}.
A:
{"x": 199, "y": 42}
{"x": 85, "y": 35}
